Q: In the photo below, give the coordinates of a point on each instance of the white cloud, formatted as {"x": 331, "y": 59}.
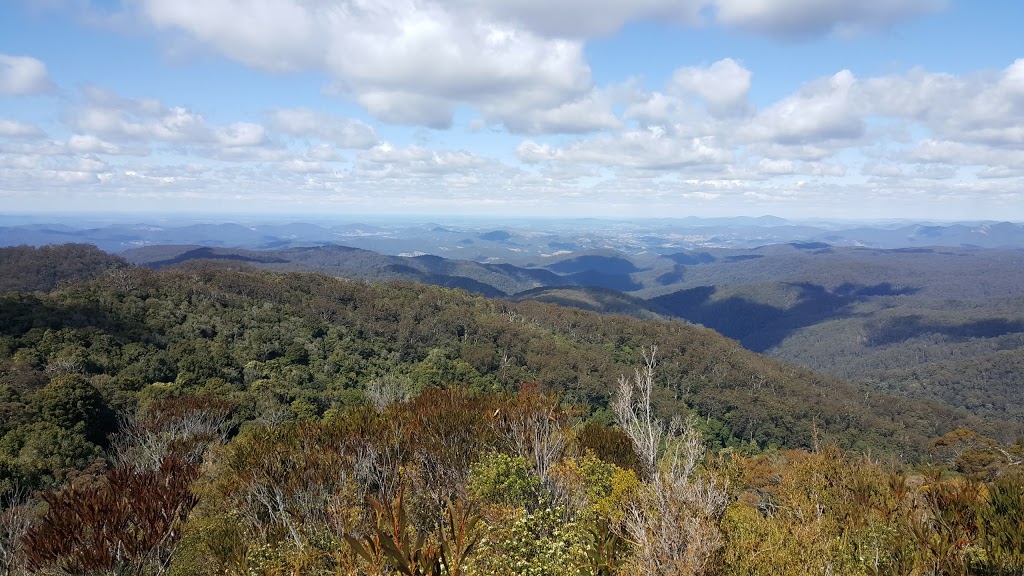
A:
{"x": 775, "y": 167}
{"x": 723, "y": 86}
{"x": 933, "y": 151}
{"x": 823, "y": 110}
{"x": 88, "y": 144}
{"x": 935, "y": 172}
{"x": 823, "y": 169}
{"x": 277, "y": 35}
{"x": 415, "y": 160}
{"x": 76, "y": 145}
{"x": 590, "y": 113}
{"x": 520, "y": 63}
{"x": 23, "y": 76}
{"x": 986, "y": 108}
{"x": 106, "y": 123}
{"x": 107, "y": 114}
{"x": 696, "y": 100}
{"x": 883, "y": 170}
{"x": 90, "y": 164}
{"x": 306, "y": 123}
{"x": 1000, "y": 172}
{"x": 16, "y": 129}
{"x": 323, "y": 153}
{"x": 302, "y": 166}
{"x": 806, "y": 18}
{"x": 240, "y": 134}
{"x": 588, "y": 18}
{"x": 635, "y": 149}
{"x": 408, "y": 61}
{"x": 825, "y": 131}
{"x": 990, "y": 112}
{"x": 657, "y": 109}
{"x": 807, "y": 152}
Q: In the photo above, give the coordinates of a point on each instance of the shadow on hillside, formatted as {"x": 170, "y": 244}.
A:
{"x": 744, "y": 257}
{"x": 691, "y": 258}
{"x": 20, "y": 313}
{"x": 904, "y": 328}
{"x": 676, "y": 276}
{"x": 620, "y": 282}
{"x": 608, "y": 265}
{"x": 602, "y": 300}
{"x": 759, "y": 326}
{"x": 211, "y": 254}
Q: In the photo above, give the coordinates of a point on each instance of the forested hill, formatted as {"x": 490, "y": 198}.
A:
{"x": 939, "y": 325}
{"x": 237, "y": 421}
{"x": 301, "y": 344}
{"x": 24, "y": 268}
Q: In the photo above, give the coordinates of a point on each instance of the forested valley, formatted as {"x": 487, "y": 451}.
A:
{"x": 215, "y": 418}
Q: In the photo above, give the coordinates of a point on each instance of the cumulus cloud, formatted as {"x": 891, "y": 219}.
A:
{"x": 416, "y": 160}
{"x": 990, "y": 112}
{"x": 240, "y": 134}
{"x": 302, "y": 166}
{"x": 822, "y": 110}
{"x": 23, "y": 76}
{"x": 775, "y": 167}
{"x": 107, "y": 114}
{"x": 806, "y": 18}
{"x": 823, "y": 169}
{"x": 20, "y": 130}
{"x": 75, "y": 145}
{"x": 696, "y": 101}
{"x": 930, "y": 150}
{"x": 1000, "y": 172}
{"x": 90, "y": 144}
{"x": 407, "y": 61}
{"x": 519, "y": 62}
{"x": 342, "y": 132}
{"x": 635, "y": 149}
{"x": 883, "y": 170}
{"x": 590, "y": 113}
{"x": 107, "y": 123}
{"x": 588, "y": 18}
{"x": 906, "y": 131}
{"x": 723, "y": 86}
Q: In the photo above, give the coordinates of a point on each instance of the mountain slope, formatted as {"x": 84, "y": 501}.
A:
{"x": 358, "y": 264}
{"x": 310, "y": 341}
{"x": 25, "y": 269}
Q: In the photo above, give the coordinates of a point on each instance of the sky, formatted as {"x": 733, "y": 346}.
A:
{"x": 593, "y": 108}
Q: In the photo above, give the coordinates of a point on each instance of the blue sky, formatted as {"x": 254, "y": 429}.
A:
{"x": 609, "y": 108}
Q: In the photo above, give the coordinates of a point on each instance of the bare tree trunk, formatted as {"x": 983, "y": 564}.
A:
{"x": 15, "y": 518}
{"x": 675, "y": 525}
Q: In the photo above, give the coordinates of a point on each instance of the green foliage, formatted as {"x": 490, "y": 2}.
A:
{"x": 538, "y": 543}
{"x": 26, "y": 269}
{"x": 1002, "y": 526}
{"x": 275, "y": 339}
{"x": 609, "y": 443}
{"x": 73, "y": 403}
{"x": 498, "y": 478}
{"x": 443, "y": 551}
{"x": 43, "y": 455}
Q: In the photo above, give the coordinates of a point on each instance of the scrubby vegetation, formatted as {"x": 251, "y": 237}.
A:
{"x": 212, "y": 421}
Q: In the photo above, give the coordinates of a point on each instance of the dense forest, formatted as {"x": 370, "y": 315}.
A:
{"x": 213, "y": 418}
{"x": 902, "y": 320}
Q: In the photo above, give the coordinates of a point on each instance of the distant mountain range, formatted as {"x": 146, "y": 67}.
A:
{"x": 522, "y": 242}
